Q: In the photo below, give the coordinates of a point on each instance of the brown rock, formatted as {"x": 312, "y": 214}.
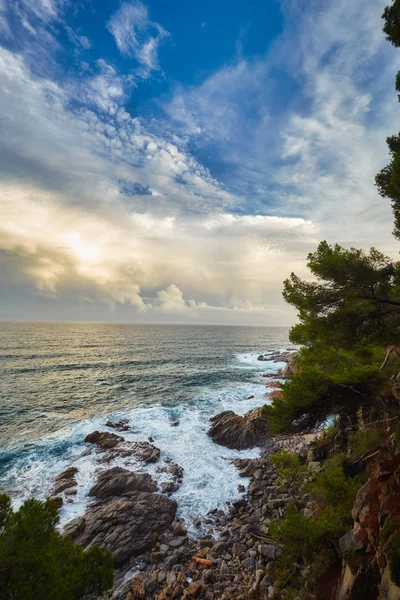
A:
{"x": 232, "y": 431}
{"x": 104, "y": 439}
{"x": 127, "y": 525}
{"x": 64, "y": 480}
{"x": 118, "y": 481}
{"x": 137, "y": 588}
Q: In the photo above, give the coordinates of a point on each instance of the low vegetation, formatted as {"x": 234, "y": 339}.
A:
{"x": 36, "y": 562}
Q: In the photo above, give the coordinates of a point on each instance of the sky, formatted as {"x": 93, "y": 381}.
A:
{"x": 175, "y": 160}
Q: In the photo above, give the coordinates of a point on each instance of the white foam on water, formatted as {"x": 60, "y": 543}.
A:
{"x": 210, "y": 479}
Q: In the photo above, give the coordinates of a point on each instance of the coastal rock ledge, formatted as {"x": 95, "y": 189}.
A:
{"x": 127, "y": 525}
{"x": 239, "y": 433}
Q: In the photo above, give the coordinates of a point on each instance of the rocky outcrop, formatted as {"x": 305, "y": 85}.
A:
{"x": 233, "y": 560}
{"x": 104, "y": 440}
{"x": 114, "y": 446}
{"x": 118, "y": 481}
{"x": 127, "y": 525}
{"x": 122, "y": 425}
{"x": 175, "y": 473}
{"x": 64, "y": 481}
{"x": 239, "y": 433}
{"x": 276, "y": 356}
{"x": 365, "y": 548}
{"x": 292, "y": 366}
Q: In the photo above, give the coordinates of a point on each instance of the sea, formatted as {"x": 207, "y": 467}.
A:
{"x": 61, "y": 381}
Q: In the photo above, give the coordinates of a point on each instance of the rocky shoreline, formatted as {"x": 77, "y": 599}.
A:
{"x": 154, "y": 555}
{"x": 234, "y": 558}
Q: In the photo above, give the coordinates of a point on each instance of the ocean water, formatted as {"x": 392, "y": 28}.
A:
{"x": 59, "y": 382}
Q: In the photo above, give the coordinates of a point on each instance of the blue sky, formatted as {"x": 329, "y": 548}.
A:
{"x": 175, "y": 160}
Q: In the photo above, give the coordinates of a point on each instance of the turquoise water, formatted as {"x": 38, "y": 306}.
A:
{"x": 60, "y": 381}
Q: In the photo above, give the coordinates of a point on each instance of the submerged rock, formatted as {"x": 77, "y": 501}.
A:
{"x": 127, "y": 525}
{"x": 239, "y": 433}
{"x": 118, "y": 481}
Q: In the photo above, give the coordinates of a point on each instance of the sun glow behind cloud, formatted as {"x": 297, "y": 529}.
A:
{"x": 196, "y": 214}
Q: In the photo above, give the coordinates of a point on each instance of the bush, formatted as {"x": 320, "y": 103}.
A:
{"x": 331, "y": 487}
{"x": 305, "y": 538}
{"x": 36, "y": 562}
{"x": 299, "y": 535}
{"x": 365, "y": 440}
{"x": 289, "y": 467}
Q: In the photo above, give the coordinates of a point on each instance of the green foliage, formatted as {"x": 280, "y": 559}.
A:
{"x": 333, "y": 493}
{"x": 326, "y": 386}
{"x": 365, "y": 440}
{"x": 299, "y": 535}
{"x": 37, "y": 562}
{"x": 332, "y": 487}
{"x": 392, "y": 23}
{"x": 388, "y": 180}
{"x": 347, "y": 315}
{"x": 393, "y": 555}
{"x": 387, "y": 530}
{"x": 355, "y": 299}
{"x": 289, "y": 467}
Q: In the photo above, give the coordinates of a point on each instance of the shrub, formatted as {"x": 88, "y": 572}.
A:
{"x": 299, "y": 535}
{"x": 365, "y": 440}
{"x": 332, "y": 487}
{"x": 36, "y": 562}
{"x": 289, "y": 467}
{"x": 387, "y": 530}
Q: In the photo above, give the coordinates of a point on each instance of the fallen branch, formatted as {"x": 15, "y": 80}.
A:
{"x": 202, "y": 561}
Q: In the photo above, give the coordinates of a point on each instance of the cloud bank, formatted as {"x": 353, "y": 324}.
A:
{"x": 198, "y": 212}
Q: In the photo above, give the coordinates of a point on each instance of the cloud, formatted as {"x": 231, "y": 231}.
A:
{"x": 137, "y": 36}
{"x": 313, "y": 149}
{"x": 199, "y": 215}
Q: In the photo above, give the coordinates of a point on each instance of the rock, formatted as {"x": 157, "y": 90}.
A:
{"x": 292, "y": 367}
{"x": 232, "y": 431}
{"x": 197, "y": 522}
{"x": 137, "y": 588}
{"x": 179, "y": 530}
{"x": 267, "y": 550}
{"x": 122, "y": 425}
{"x": 155, "y": 558}
{"x": 248, "y": 563}
{"x": 175, "y": 543}
{"x": 118, "y": 481}
{"x": 206, "y": 543}
{"x": 224, "y": 570}
{"x": 104, "y": 439}
{"x": 58, "y": 501}
{"x": 64, "y": 481}
{"x": 352, "y": 542}
{"x": 195, "y": 589}
{"x": 127, "y": 525}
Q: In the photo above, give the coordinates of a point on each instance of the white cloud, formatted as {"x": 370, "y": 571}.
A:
{"x": 137, "y": 36}
{"x": 99, "y": 207}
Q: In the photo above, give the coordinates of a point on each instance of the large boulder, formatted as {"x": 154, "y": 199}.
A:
{"x": 128, "y": 525}
{"x": 64, "y": 481}
{"x": 118, "y": 481}
{"x": 142, "y": 451}
{"x": 239, "y": 433}
{"x": 104, "y": 439}
{"x": 114, "y": 446}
